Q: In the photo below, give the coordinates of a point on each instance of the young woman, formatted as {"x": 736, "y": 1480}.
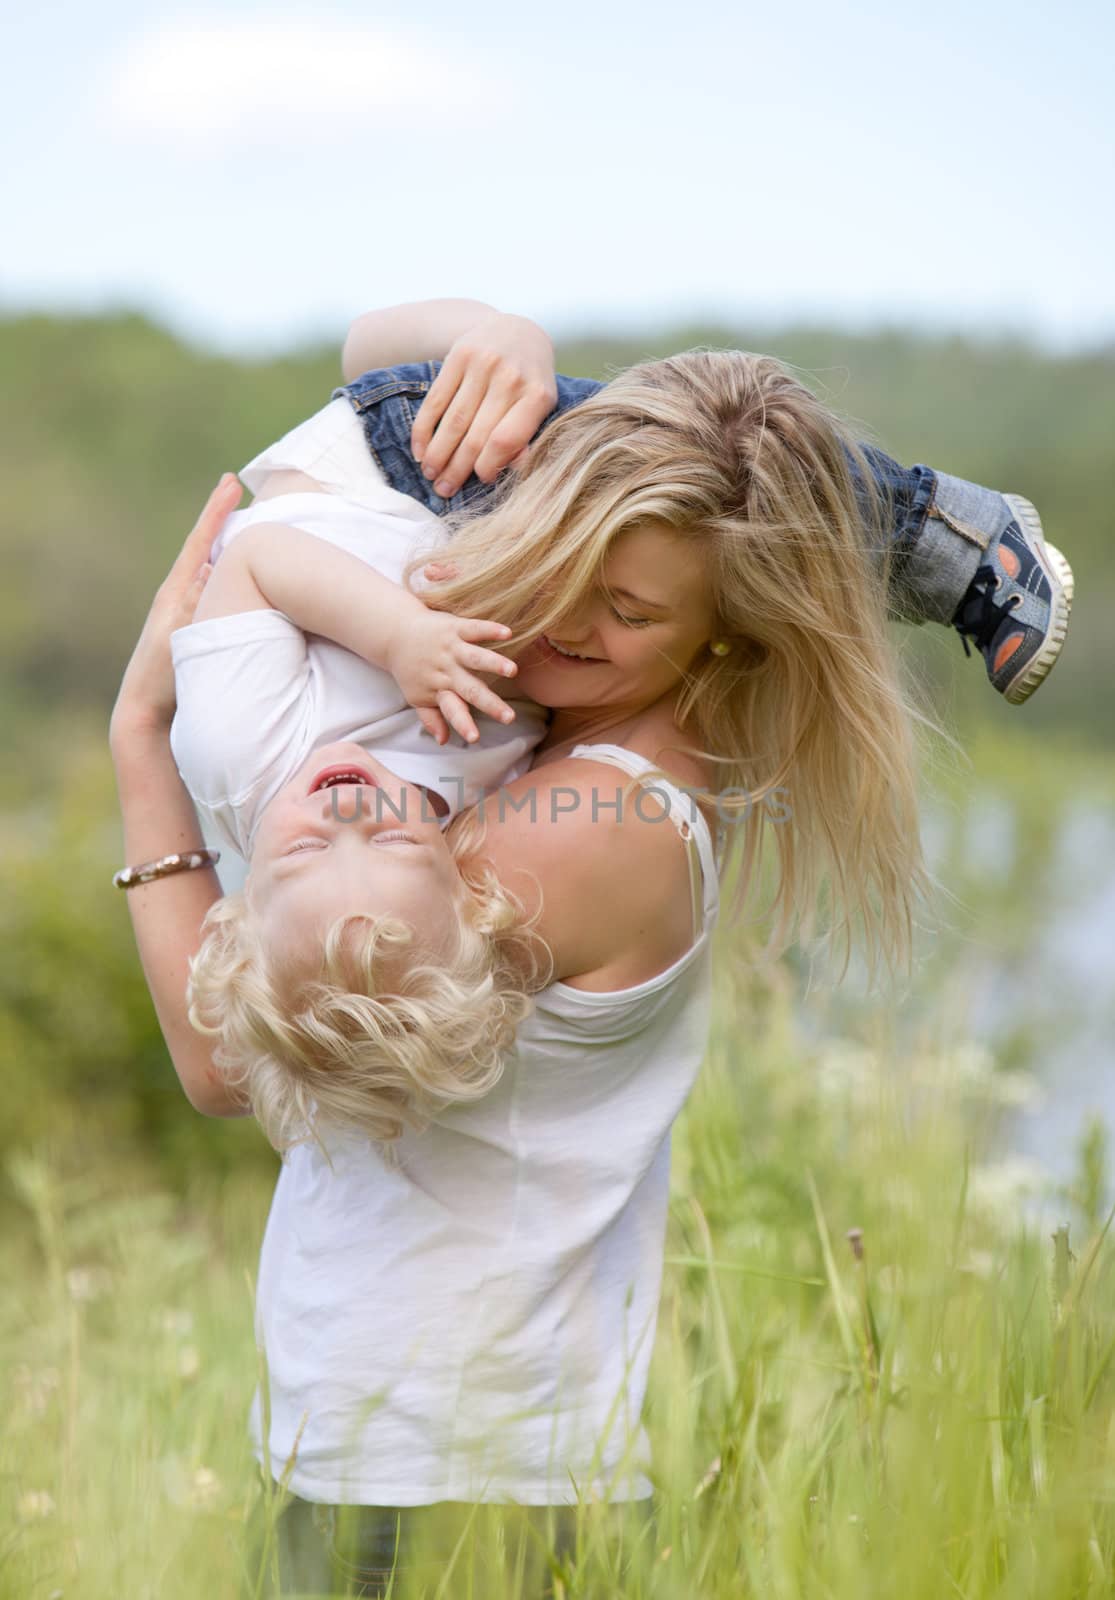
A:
{"x": 695, "y": 595}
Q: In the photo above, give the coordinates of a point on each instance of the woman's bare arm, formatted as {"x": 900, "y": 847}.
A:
{"x": 159, "y": 819}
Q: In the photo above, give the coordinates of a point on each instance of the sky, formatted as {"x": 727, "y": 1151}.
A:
{"x": 258, "y": 175}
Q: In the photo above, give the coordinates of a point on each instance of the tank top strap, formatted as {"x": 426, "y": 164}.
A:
{"x": 687, "y": 817}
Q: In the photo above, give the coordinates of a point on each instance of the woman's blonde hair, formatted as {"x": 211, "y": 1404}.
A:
{"x": 383, "y": 1034}
{"x": 730, "y": 451}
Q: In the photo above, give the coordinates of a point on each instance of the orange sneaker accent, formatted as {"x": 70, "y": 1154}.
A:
{"x": 1008, "y": 561}
{"x": 1006, "y": 650}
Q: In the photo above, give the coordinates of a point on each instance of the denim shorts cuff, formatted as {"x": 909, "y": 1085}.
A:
{"x": 975, "y": 513}
{"x": 962, "y": 520}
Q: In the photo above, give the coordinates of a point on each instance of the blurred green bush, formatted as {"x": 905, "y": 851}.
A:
{"x": 89, "y": 1082}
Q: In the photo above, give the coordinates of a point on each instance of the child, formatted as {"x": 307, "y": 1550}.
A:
{"x": 359, "y": 978}
{"x": 965, "y": 555}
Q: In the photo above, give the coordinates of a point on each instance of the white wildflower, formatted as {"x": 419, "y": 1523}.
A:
{"x": 980, "y": 1263}
{"x": 999, "y": 1187}
{"x": 847, "y": 1071}
{"x": 36, "y": 1388}
{"x": 205, "y": 1487}
{"x": 87, "y": 1283}
{"x": 177, "y": 1322}
{"x": 35, "y": 1504}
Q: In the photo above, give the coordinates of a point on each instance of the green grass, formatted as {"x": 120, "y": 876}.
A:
{"x": 935, "y": 1418}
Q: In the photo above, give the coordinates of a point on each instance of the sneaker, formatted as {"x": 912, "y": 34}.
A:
{"x": 1017, "y": 605}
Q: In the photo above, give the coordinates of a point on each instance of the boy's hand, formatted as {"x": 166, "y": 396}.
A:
{"x": 490, "y": 398}
{"x": 146, "y": 697}
{"x": 434, "y": 659}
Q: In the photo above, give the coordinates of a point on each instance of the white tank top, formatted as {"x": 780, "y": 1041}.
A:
{"x": 477, "y": 1322}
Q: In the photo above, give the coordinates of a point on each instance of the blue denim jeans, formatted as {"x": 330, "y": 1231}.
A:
{"x": 324, "y": 1550}
{"x": 941, "y": 525}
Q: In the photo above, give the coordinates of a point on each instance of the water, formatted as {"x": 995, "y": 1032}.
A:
{"x": 1035, "y": 980}
{"x": 1066, "y": 984}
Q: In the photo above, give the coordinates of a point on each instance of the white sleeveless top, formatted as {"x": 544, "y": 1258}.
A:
{"x": 477, "y": 1322}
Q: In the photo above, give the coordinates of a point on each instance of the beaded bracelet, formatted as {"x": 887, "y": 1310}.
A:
{"x": 129, "y": 877}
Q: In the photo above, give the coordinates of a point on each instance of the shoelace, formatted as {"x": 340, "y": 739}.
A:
{"x": 981, "y": 614}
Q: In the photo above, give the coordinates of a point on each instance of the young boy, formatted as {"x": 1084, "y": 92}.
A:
{"x": 360, "y": 977}
{"x": 968, "y": 556}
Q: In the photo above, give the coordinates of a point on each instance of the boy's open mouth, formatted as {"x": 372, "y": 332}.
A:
{"x": 330, "y": 777}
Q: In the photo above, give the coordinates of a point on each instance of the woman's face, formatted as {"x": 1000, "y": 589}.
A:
{"x": 347, "y": 836}
{"x": 627, "y": 652}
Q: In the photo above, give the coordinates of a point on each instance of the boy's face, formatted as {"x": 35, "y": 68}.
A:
{"x": 627, "y": 651}
{"x": 346, "y": 836}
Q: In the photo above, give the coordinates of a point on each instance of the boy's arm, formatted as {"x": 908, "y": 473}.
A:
{"x": 274, "y": 567}
{"x": 432, "y": 655}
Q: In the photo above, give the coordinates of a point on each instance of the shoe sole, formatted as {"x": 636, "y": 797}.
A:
{"x": 1061, "y": 586}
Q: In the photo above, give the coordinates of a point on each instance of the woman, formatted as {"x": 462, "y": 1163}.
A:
{"x": 684, "y": 561}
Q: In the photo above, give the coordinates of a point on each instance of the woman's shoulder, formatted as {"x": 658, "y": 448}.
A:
{"x": 563, "y": 841}
{"x": 671, "y": 752}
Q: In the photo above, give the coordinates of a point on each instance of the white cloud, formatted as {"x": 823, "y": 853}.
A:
{"x": 282, "y": 82}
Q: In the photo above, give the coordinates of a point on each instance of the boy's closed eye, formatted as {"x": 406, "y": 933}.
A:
{"x": 378, "y": 838}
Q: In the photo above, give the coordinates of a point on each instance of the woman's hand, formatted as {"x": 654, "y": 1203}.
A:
{"x": 146, "y": 698}
{"x": 434, "y": 659}
{"x": 490, "y": 398}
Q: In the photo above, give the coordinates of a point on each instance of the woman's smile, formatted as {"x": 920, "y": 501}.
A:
{"x": 551, "y": 650}
{"x": 631, "y": 639}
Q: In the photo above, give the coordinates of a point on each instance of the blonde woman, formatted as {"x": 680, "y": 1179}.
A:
{"x": 690, "y": 566}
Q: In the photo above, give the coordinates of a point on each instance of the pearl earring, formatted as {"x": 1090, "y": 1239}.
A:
{"x": 720, "y": 647}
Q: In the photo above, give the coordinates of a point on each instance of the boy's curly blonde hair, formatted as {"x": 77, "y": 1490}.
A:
{"x": 382, "y": 1035}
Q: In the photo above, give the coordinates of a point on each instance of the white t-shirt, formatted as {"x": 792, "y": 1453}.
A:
{"x": 476, "y": 1323}
{"x": 256, "y": 695}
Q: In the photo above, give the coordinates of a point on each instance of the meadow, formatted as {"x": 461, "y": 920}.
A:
{"x": 870, "y": 1379}
{"x": 881, "y": 1369}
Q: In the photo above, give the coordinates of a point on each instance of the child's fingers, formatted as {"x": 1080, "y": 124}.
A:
{"x": 479, "y": 660}
{"x": 434, "y": 723}
{"x": 484, "y": 699}
{"x": 457, "y": 715}
{"x": 440, "y": 571}
{"x": 473, "y": 628}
